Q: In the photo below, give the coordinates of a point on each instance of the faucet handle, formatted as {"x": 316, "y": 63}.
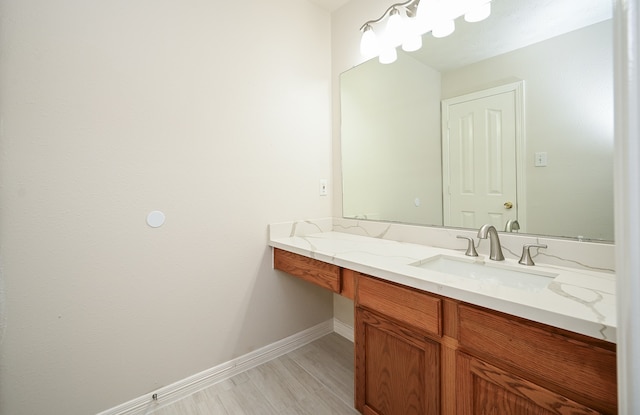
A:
{"x": 525, "y": 259}
{"x": 471, "y": 248}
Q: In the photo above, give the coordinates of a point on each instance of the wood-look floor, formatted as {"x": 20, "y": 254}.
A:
{"x": 315, "y": 379}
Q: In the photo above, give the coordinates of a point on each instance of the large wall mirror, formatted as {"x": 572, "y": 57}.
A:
{"x": 554, "y": 61}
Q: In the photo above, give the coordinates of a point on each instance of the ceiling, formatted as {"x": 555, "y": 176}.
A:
{"x": 330, "y": 5}
{"x": 513, "y": 24}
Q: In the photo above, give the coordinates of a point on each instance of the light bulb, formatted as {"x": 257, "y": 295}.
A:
{"x": 447, "y": 9}
{"x": 425, "y": 9}
{"x": 388, "y": 54}
{"x": 412, "y": 43}
{"x": 426, "y": 15}
{"x": 478, "y": 13}
{"x": 369, "y": 43}
{"x": 394, "y": 33}
{"x": 443, "y": 28}
{"x": 412, "y": 39}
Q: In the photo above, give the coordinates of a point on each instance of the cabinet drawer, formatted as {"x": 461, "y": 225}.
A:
{"x": 579, "y": 367}
{"x": 309, "y": 269}
{"x": 406, "y": 305}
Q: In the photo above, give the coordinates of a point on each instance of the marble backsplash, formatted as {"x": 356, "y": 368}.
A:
{"x": 563, "y": 252}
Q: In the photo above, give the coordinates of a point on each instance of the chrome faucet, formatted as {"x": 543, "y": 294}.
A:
{"x": 488, "y": 231}
{"x": 512, "y": 225}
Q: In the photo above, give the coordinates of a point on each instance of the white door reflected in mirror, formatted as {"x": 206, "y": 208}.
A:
{"x": 481, "y": 155}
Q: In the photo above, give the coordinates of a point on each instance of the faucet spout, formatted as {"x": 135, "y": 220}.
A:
{"x": 512, "y": 225}
{"x": 489, "y": 231}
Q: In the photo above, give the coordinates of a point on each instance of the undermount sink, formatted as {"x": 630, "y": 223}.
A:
{"x": 486, "y": 271}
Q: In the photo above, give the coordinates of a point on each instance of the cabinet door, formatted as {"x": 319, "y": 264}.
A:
{"x": 579, "y": 368}
{"x": 487, "y": 390}
{"x": 397, "y": 370}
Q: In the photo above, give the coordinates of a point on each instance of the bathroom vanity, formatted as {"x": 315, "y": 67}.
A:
{"x": 427, "y": 342}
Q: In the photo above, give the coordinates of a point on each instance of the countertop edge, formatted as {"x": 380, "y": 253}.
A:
{"x": 593, "y": 329}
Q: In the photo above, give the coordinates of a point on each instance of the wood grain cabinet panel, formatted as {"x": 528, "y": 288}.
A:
{"x": 397, "y": 370}
{"x": 317, "y": 272}
{"x": 579, "y": 368}
{"x": 406, "y": 305}
{"x": 485, "y": 389}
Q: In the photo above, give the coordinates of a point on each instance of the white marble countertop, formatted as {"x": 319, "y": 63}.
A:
{"x": 581, "y": 301}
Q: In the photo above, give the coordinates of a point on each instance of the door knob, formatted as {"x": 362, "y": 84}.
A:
{"x": 508, "y": 205}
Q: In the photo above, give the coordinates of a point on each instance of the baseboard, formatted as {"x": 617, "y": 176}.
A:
{"x": 172, "y": 393}
{"x": 343, "y": 329}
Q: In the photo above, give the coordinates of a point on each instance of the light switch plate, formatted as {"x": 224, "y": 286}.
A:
{"x": 323, "y": 187}
{"x": 541, "y": 159}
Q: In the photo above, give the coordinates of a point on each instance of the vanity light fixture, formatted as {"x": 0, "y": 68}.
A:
{"x": 479, "y": 13}
{"x": 406, "y": 22}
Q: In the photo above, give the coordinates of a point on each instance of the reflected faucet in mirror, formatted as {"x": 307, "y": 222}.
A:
{"x": 512, "y": 225}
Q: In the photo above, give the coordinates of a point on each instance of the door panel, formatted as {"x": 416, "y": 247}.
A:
{"x": 480, "y": 159}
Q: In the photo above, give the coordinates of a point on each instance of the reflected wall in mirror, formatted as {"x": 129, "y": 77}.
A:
{"x": 391, "y": 132}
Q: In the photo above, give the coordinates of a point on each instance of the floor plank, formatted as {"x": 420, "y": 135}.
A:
{"x": 316, "y": 379}
{"x": 330, "y": 360}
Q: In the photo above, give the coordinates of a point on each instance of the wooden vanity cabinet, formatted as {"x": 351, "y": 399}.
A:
{"x": 424, "y": 354}
{"x": 397, "y": 349}
{"x": 419, "y": 353}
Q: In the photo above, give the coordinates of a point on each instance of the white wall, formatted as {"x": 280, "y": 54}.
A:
{"x": 215, "y": 113}
{"x": 390, "y": 135}
{"x": 345, "y": 54}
